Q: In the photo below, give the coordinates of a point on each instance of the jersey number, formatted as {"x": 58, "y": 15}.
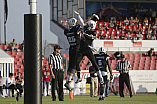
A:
{"x": 71, "y": 39}
{"x": 100, "y": 62}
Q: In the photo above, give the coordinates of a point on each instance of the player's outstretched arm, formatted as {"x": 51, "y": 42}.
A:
{"x": 81, "y": 21}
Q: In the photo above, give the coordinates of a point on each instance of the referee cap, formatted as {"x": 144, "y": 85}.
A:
{"x": 57, "y": 47}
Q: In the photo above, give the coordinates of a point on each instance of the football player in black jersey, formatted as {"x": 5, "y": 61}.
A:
{"x": 86, "y": 48}
{"x": 102, "y": 60}
{"x": 73, "y": 36}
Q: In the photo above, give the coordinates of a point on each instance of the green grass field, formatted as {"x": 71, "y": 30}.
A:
{"x": 137, "y": 99}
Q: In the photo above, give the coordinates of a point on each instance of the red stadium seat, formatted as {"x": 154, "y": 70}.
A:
{"x": 20, "y": 53}
{"x": 114, "y": 32}
{"x": 22, "y": 67}
{"x": 18, "y": 46}
{"x": 101, "y": 24}
{"x": 14, "y": 53}
{"x": 119, "y": 32}
{"x": 103, "y": 32}
{"x": 135, "y": 68}
{"x": 124, "y": 27}
{"x": 18, "y": 56}
{"x": 110, "y": 54}
{"x": 6, "y": 47}
{"x": 97, "y": 33}
{"x": 2, "y": 47}
{"x": 108, "y": 33}
{"x": 21, "y": 70}
{"x": 144, "y": 28}
{"x": 17, "y": 66}
{"x": 152, "y": 68}
{"x": 127, "y": 55}
{"x": 106, "y": 23}
{"x": 19, "y": 63}
{"x": 153, "y": 58}
{"x": 135, "y": 27}
{"x": 114, "y": 61}
{"x": 130, "y": 27}
{"x": 8, "y": 52}
{"x": 16, "y": 70}
{"x": 83, "y": 67}
{"x": 15, "y": 60}
{"x": 147, "y": 58}
{"x": 65, "y": 55}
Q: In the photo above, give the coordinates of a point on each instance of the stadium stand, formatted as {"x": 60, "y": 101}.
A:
{"x": 137, "y": 61}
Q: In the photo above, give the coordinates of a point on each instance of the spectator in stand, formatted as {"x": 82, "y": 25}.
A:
{"x": 101, "y": 37}
{"x": 151, "y": 52}
{"x": 1, "y": 87}
{"x": 153, "y": 35}
{"x": 117, "y": 55}
{"x": 131, "y": 21}
{"x": 148, "y": 36}
{"x": 46, "y": 79}
{"x": 136, "y": 20}
{"x": 19, "y": 82}
{"x": 150, "y": 21}
{"x": 119, "y": 26}
{"x": 105, "y": 27}
{"x": 22, "y": 46}
{"x": 139, "y": 36}
{"x": 13, "y": 45}
{"x": 155, "y": 24}
{"x": 126, "y": 21}
{"x": 111, "y": 24}
{"x": 145, "y": 22}
{"x": 128, "y": 36}
{"x": 94, "y": 81}
{"x": 12, "y": 86}
{"x": 122, "y": 37}
{"x": 134, "y": 37}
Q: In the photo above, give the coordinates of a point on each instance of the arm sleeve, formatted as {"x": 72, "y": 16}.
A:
{"x": 50, "y": 59}
{"x": 129, "y": 65}
{"x": 81, "y": 21}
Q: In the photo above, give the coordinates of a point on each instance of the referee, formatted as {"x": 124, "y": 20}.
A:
{"x": 55, "y": 63}
{"x": 123, "y": 67}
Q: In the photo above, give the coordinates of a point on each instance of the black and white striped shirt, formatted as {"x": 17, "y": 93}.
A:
{"x": 123, "y": 65}
{"x": 55, "y": 61}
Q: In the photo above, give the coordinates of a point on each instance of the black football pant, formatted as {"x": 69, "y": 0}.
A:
{"x": 90, "y": 56}
{"x": 124, "y": 78}
{"x": 57, "y": 84}
{"x": 72, "y": 59}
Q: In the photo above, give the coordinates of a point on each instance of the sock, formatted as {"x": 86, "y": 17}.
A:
{"x": 67, "y": 78}
{"x": 78, "y": 74}
{"x": 100, "y": 75}
{"x": 70, "y": 77}
{"x": 100, "y": 96}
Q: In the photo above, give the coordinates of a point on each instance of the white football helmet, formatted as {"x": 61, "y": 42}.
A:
{"x": 91, "y": 24}
{"x": 102, "y": 50}
{"x": 72, "y": 22}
